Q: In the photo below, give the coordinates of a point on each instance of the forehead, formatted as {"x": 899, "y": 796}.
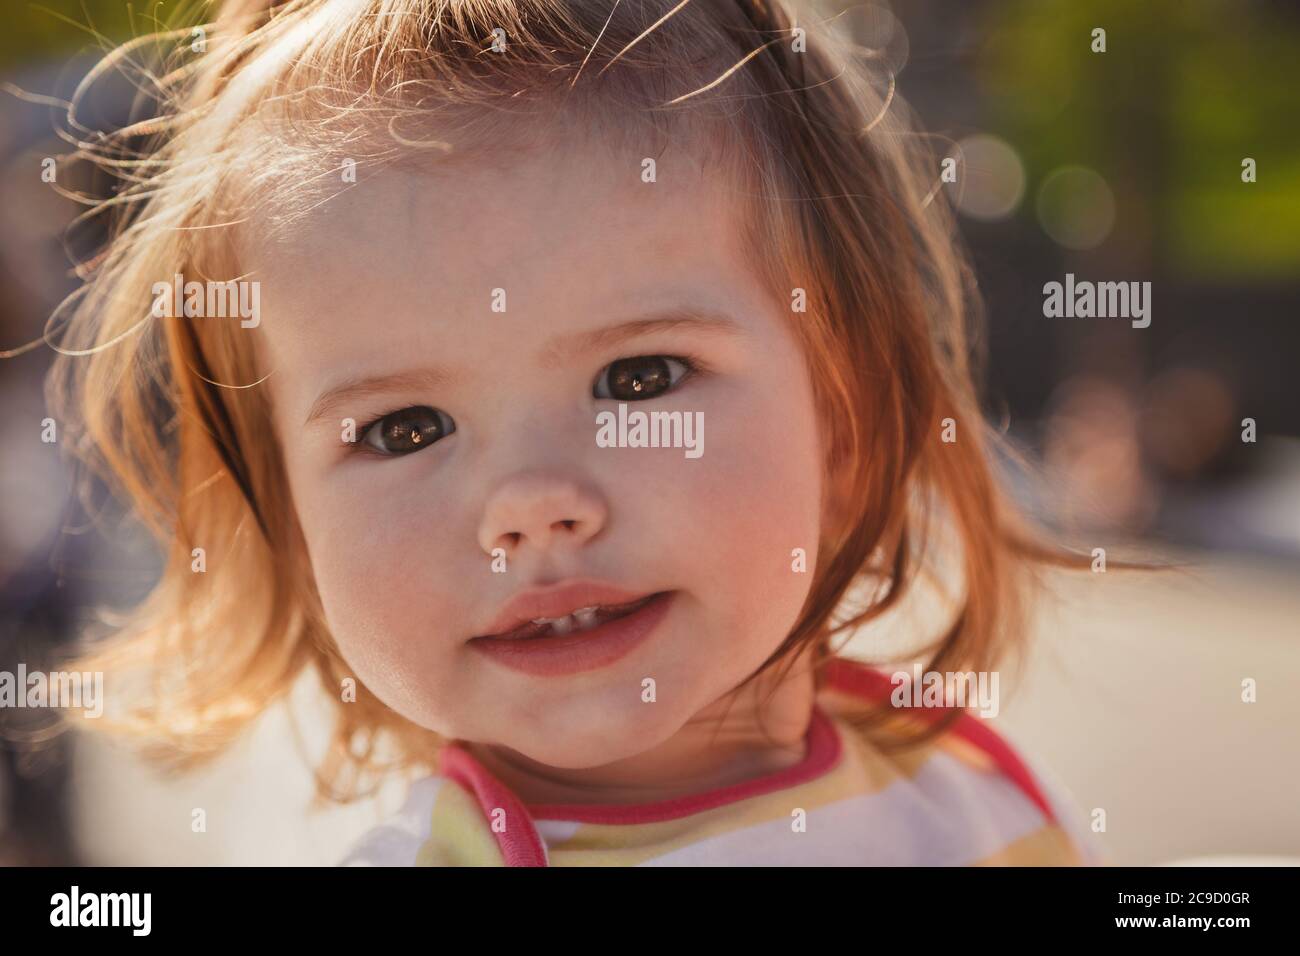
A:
{"x": 570, "y": 232}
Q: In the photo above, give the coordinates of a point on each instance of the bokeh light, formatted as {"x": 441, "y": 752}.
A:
{"x": 1076, "y": 207}
{"x": 1187, "y": 419}
{"x": 878, "y": 35}
{"x": 990, "y": 178}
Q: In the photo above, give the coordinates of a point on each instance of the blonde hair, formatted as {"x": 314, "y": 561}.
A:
{"x": 846, "y": 206}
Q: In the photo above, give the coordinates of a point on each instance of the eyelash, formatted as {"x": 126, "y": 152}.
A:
{"x": 362, "y": 447}
{"x": 694, "y": 367}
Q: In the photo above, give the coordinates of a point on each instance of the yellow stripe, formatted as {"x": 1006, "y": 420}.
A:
{"x": 459, "y": 833}
{"x": 599, "y": 844}
{"x": 862, "y": 771}
{"x": 894, "y": 726}
{"x": 1046, "y": 846}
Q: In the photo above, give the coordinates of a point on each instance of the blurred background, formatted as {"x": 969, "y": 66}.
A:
{"x": 1125, "y": 165}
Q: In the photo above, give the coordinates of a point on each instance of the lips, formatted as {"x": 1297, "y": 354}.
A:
{"x": 539, "y": 651}
{"x": 576, "y": 622}
{"x": 574, "y": 606}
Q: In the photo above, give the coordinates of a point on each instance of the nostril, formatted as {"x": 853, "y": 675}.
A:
{"x": 567, "y": 525}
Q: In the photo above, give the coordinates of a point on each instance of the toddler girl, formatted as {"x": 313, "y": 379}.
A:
{"x": 561, "y": 380}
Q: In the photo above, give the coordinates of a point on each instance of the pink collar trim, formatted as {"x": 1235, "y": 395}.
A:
{"x": 521, "y": 845}
{"x": 519, "y": 842}
{"x": 867, "y": 683}
{"x": 823, "y": 750}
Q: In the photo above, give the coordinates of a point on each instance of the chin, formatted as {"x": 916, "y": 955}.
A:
{"x": 598, "y": 742}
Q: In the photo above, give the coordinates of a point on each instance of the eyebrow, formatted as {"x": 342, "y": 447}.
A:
{"x": 554, "y": 354}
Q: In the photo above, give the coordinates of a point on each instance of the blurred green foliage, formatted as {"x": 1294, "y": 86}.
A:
{"x": 52, "y": 29}
{"x": 1184, "y": 92}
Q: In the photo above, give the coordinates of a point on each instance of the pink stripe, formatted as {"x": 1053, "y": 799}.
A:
{"x": 520, "y": 844}
{"x": 824, "y": 750}
{"x": 870, "y": 684}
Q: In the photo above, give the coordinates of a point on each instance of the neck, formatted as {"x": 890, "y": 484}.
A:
{"x": 756, "y": 730}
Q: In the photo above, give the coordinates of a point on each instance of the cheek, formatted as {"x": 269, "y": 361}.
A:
{"x": 752, "y": 499}
{"x": 385, "y": 574}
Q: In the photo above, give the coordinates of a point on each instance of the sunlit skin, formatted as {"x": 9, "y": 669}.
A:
{"x": 397, "y": 274}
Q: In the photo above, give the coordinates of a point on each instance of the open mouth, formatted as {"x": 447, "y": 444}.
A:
{"x": 576, "y": 622}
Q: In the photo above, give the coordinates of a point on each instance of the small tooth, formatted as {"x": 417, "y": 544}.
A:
{"x": 586, "y": 616}
{"x": 562, "y": 625}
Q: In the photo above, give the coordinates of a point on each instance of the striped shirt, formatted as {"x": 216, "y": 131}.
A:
{"x": 964, "y": 798}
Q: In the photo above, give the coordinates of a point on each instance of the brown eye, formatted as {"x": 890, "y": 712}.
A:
{"x": 408, "y": 430}
{"x": 636, "y": 379}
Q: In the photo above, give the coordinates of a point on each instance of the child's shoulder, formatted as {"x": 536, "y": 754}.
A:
{"x": 454, "y": 817}
{"x": 971, "y": 782}
{"x": 438, "y": 825}
{"x": 964, "y": 797}
{"x": 397, "y": 841}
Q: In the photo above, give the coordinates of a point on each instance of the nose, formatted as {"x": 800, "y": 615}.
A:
{"x": 541, "y": 511}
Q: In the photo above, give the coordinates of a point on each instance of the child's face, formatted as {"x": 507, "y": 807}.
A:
{"x": 397, "y": 275}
